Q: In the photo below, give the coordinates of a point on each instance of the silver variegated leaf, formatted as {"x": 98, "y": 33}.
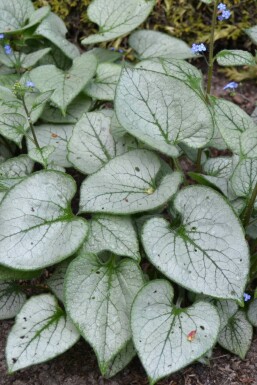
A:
{"x": 41, "y": 332}
{"x": 57, "y": 137}
{"x": 162, "y": 111}
{"x": 152, "y": 44}
{"x": 53, "y": 29}
{"x": 12, "y": 298}
{"x": 65, "y": 85}
{"x": 236, "y": 336}
{"x": 37, "y": 228}
{"x": 207, "y": 253}
{"x": 128, "y": 184}
{"x": 98, "y": 297}
{"x": 168, "y": 338}
{"x": 116, "y": 17}
{"x": 103, "y": 86}
{"x": 235, "y": 57}
{"x": 92, "y": 145}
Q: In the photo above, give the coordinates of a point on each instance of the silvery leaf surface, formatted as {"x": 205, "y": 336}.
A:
{"x": 116, "y": 17}
{"x": 236, "y": 336}
{"x": 112, "y": 233}
{"x": 65, "y": 85}
{"x": 98, "y": 297}
{"x": 128, "y": 184}
{"x": 207, "y": 253}
{"x": 92, "y": 145}
{"x": 235, "y": 57}
{"x": 152, "y": 44}
{"x": 162, "y": 111}
{"x": 103, "y": 86}
{"x": 161, "y": 332}
{"x": 12, "y": 298}
{"x": 37, "y": 228}
{"x": 41, "y": 332}
{"x": 53, "y": 29}
{"x": 57, "y": 137}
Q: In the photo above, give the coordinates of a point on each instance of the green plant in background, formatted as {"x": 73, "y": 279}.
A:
{"x": 125, "y": 128}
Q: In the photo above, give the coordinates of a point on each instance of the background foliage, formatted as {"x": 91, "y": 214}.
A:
{"x": 189, "y": 20}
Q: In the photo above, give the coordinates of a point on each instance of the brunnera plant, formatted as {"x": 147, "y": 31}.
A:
{"x": 124, "y": 126}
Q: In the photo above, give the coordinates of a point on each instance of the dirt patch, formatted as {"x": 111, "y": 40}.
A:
{"x": 78, "y": 366}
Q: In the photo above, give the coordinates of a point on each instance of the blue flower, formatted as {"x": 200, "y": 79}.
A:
{"x": 8, "y": 49}
{"x": 112, "y": 49}
{"x": 231, "y": 86}
{"x": 247, "y": 297}
{"x": 196, "y": 48}
{"x": 30, "y": 84}
{"x": 1, "y": 36}
{"x": 121, "y": 51}
{"x": 225, "y": 15}
{"x": 222, "y": 7}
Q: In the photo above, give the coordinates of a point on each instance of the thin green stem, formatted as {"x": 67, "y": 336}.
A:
{"x": 211, "y": 49}
{"x": 210, "y": 72}
{"x": 30, "y": 124}
{"x": 179, "y": 169}
{"x": 249, "y": 209}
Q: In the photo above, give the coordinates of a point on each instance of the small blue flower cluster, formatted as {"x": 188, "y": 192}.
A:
{"x": 30, "y": 84}
{"x": 231, "y": 86}
{"x": 7, "y": 49}
{"x": 224, "y": 13}
{"x": 196, "y": 48}
{"x": 247, "y": 297}
{"x": 1, "y": 36}
{"x": 119, "y": 50}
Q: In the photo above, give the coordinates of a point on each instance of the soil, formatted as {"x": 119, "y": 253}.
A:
{"x": 78, "y": 366}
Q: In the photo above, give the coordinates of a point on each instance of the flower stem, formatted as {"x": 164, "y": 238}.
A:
{"x": 179, "y": 169}
{"x": 249, "y": 209}
{"x": 210, "y": 73}
{"x": 30, "y": 124}
{"x": 211, "y": 49}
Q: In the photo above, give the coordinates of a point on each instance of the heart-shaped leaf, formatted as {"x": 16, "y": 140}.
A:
{"x": 168, "y": 338}
{"x": 56, "y": 136}
{"x": 53, "y": 29}
{"x": 128, "y": 184}
{"x": 116, "y": 17}
{"x": 162, "y": 111}
{"x": 20, "y": 15}
{"x": 37, "y": 228}
{"x": 207, "y": 252}
{"x": 151, "y": 44}
{"x": 237, "y": 335}
{"x": 235, "y": 57}
{"x": 98, "y": 297}
{"x": 42, "y": 331}
{"x": 12, "y": 298}
{"x": 103, "y": 86}
{"x": 92, "y": 146}
{"x": 112, "y": 233}
{"x": 65, "y": 85}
